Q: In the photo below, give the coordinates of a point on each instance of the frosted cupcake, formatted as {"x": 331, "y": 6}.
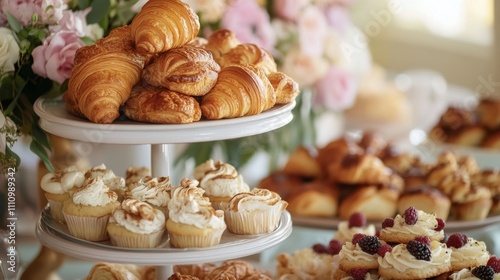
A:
{"x": 220, "y": 181}
{"x": 254, "y": 212}
{"x": 192, "y": 221}
{"x": 136, "y": 224}
{"x": 153, "y": 190}
{"x": 89, "y": 209}
{"x": 133, "y": 174}
{"x": 58, "y": 187}
{"x": 113, "y": 182}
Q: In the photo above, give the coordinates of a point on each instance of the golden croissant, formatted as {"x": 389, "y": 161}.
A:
{"x": 286, "y": 88}
{"x": 164, "y": 24}
{"x": 240, "y": 91}
{"x": 249, "y": 54}
{"x": 187, "y": 69}
{"x": 103, "y": 77}
{"x": 220, "y": 42}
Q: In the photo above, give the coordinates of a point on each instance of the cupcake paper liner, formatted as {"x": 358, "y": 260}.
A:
{"x": 56, "y": 210}
{"x": 139, "y": 241}
{"x": 195, "y": 241}
{"x": 88, "y": 228}
{"x": 255, "y": 222}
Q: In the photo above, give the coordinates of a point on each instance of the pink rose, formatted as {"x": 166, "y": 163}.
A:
{"x": 54, "y": 59}
{"x": 338, "y": 18}
{"x": 313, "y": 29}
{"x": 48, "y": 11}
{"x": 335, "y": 91}
{"x": 73, "y": 21}
{"x": 289, "y": 9}
{"x": 250, "y": 23}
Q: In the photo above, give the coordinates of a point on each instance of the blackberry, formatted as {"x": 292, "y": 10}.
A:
{"x": 494, "y": 262}
{"x": 358, "y": 273}
{"x": 369, "y": 244}
{"x": 411, "y": 215}
{"x": 484, "y": 272}
{"x": 357, "y": 219}
{"x": 419, "y": 250}
{"x": 388, "y": 222}
{"x": 440, "y": 224}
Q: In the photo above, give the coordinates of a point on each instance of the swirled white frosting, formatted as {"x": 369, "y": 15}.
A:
{"x": 424, "y": 226}
{"x": 138, "y": 217}
{"x": 113, "y": 182}
{"x": 134, "y": 174}
{"x": 466, "y": 274}
{"x": 256, "y": 200}
{"x": 371, "y": 275}
{"x": 473, "y": 249}
{"x": 354, "y": 253}
{"x": 154, "y": 190}
{"x": 345, "y": 233}
{"x": 219, "y": 179}
{"x": 400, "y": 259}
{"x": 188, "y": 206}
{"x": 94, "y": 193}
{"x": 62, "y": 181}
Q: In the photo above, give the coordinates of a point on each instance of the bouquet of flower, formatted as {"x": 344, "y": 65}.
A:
{"x": 38, "y": 41}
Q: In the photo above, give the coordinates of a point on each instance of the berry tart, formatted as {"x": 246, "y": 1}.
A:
{"x": 360, "y": 252}
{"x": 356, "y": 224}
{"x": 466, "y": 251}
{"x": 489, "y": 271}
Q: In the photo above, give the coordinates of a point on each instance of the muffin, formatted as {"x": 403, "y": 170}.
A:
{"x": 466, "y": 251}
{"x": 473, "y": 205}
{"x": 58, "y": 187}
{"x": 254, "y": 212}
{"x": 113, "y": 182}
{"x": 153, "y": 190}
{"x": 136, "y": 224}
{"x": 89, "y": 209}
{"x": 192, "y": 221}
{"x": 220, "y": 181}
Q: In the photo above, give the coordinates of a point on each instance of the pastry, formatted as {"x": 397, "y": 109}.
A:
{"x": 425, "y": 198}
{"x": 239, "y": 91}
{"x": 58, "y": 187}
{"x": 286, "y": 88}
{"x": 136, "y": 224}
{"x": 192, "y": 221}
{"x": 254, "y": 212}
{"x": 197, "y": 270}
{"x": 220, "y": 42}
{"x": 303, "y": 163}
{"x": 315, "y": 198}
{"x": 103, "y": 77}
{"x": 373, "y": 143}
{"x": 334, "y": 151}
{"x": 354, "y": 225}
{"x": 161, "y": 25}
{"x": 186, "y": 69}
{"x": 198, "y": 42}
{"x": 220, "y": 181}
{"x": 178, "y": 276}
{"x": 492, "y": 141}
{"x": 113, "y": 271}
{"x": 360, "y": 253}
{"x": 490, "y": 179}
{"x": 473, "y": 205}
{"x": 305, "y": 264}
{"x": 472, "y": 135}
{"x": 249, "y": 54}
{"x": 89, "y": 209}
{"x": 487, "y": 110}
{"x": 156, "y": 105}
{"x": 233, "y": 269}
{"x": 133, "y": 174}
{"x": 361, "y": 169}
{"x": 153, "y": 190}
{"x": 474, "y": 273}
{"x": 110, "y": 179}
{"x": 466, "y": 251}
{"x": 376, "y": 202}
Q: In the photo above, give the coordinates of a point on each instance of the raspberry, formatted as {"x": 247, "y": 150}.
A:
{"x": 320, "y": 248}
{"x": 382, "y": 250}
{"x": 369, "y": 244}
{"x": 411, "y": 215}
{"x": 494, "y": 262}
{"x": 356, "y": 237}
{"x": 358, "y": 273}
{"x": 388, "y": 222}
{"x": 440, "y": 224}
{"x": 483, "y": 272}
{"x": 419, "y": 250}
{"x": 457, "y": 240}
{"x": 334, "y": 247}
{"x": 424, "y": 239}
{"x": 357, "y": 219}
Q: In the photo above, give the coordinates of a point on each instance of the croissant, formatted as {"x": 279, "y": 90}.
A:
{"x": 286, "y": 88}
{"x": 249, "y": 54}
{"x": 239, "y": 91}
{"x": 164, "y": 24}
{"x": 188, "y": 70}
{"x": 220, "y": 42}
{"x": 103, "y": 77}
{"x": 359, "y": 169}
{"x": 156, "y": 105}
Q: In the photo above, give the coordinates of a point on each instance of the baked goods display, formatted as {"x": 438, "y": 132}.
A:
{"x": 476, "y": 126}
{"x": 157, "y": 70}
{"x": 371, "y": 175}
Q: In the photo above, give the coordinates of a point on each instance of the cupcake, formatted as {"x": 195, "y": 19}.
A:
{"x": 113, "y": 182}
{"x": 356, "y": 224}
{"x": 136, "y": 224}
{"x": 153, "y": 190}
{"x": 58, "y": 187}
{"x": 220, "y": 181}
{"x": 133, "y": 174}
{"x": 473, "y": 205}
{"x": 466, "y": 251}
{"x": 89, "y": 209}
{"x": 254, "y": 212}
{"x": 192, "y": 221}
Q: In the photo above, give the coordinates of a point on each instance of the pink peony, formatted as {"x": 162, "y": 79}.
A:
{"x": 335, "y": 91}
{"x": 54, "y": 59}
{"x": 250, "y": 23}
{"x": 48, "y": 11}
{"x": 338, "y": 18}
{"x": 73, "y": 21}
{"x": 313, "y": 29}
{"x": 289, "y": 9}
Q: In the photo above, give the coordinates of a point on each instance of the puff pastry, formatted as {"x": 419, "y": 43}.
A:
{"x": 249, "y": 54}
{"x": 285, "y": 88}
{"x": 220, "y": 42}
{"x": 164, "y": 24}
{"x": 239, "y": 91}
{"x": 156, "y": 105}
{"x": 187, "y": 69}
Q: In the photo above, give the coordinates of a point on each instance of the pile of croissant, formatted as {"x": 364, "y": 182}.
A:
{"x": 158, "y": 70}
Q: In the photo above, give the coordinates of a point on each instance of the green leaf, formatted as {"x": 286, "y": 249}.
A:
{"x": 38, "y": 150}
{"x": 100, "y": 9}
{"x": 87, "y": 40}
{"x": 11, "y": 155}
{"x": 83, "y": 4}
{"x": 14, "y": 24}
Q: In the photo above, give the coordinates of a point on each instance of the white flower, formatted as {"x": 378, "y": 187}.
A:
{"x": 304, "y": 69}
{"x": 210, "y": 10}
{"x": 9, "y": 50}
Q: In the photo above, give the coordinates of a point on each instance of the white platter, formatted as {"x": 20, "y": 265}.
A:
{"x": 451, "y": 226}
{"x": 55, "y": 119}
{"x": 55, "y": 236}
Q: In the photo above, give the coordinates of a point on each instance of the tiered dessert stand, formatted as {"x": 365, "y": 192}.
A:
{"x": 55, "y": 120}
